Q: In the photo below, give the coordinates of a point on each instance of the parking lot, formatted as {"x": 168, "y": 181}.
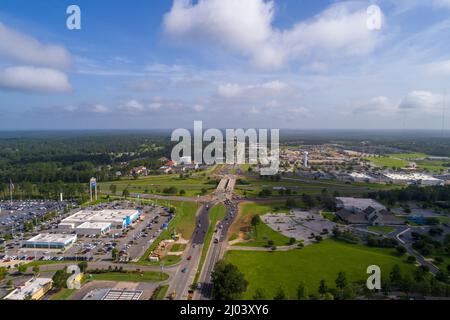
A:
{"x": 129, "y": 243}
{"x": 301, "y": 225}
{"x": 14, "y": 215}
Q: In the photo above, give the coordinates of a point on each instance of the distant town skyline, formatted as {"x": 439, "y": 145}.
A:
{"x": 229, "y": 63}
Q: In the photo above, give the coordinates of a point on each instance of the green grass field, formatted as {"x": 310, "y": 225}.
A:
{"x": 216, "y": 214}
{"x": 178, "y": 247}
{"x": 308, "y": 186}
{"x": 183, "y": 222}
{"x": 387, "y": 161}
{"x": 155, "y": 184}
{"x": 401, "y": 160}
{"x": 160, "y": 293}
{"x": 263, "y": 232}
{"x": 148, "y": 276}
{"x": 62, "y": 294}
{"x": 408, "y": 156}
{"x": 381, "y": 229}
{"x": 270, "y": 270}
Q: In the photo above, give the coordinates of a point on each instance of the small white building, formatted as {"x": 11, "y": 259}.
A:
{"x": 185, "y": 160}
{"x": 93, "y": 228}
{"x": 357, "y": 205}
{"x": 33, "y": 289}
{"x": 119, "y": 219}
{"x": 51, "y": 241}
{"x": 413, "y": 178}
{"x": 361, "y": 177}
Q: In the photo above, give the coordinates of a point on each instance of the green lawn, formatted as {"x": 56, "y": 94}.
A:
{"x": 155, "y": 184}
{"x": 408, "y": 156}
{"x": 381, "y": 229}
{"x": 270, "y": 270}
{"x": 263, "y": 232}
{"x": 178, "y": 247}
{"x": 216, "y": 214}
{"x": 249, "y": 209}
{"x": 308, "y": 186}
{"x": 387, "y": 161}
{"x": 400, "y": 160}
{"x": 148, "y": 276}
{"x": 63, "y": 294}
{"x": 160, "y": 293}
{"x": 183, "y": 222}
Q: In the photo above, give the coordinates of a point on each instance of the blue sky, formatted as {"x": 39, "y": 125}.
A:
{"x": 231, "y": 63}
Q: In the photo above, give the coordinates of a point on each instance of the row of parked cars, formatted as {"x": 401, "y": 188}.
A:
{"x": 6, "y": 258}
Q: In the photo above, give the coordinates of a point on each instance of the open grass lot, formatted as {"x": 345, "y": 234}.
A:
{"x": 262, "y": 235}
{"x": 216, "y": 214}
{"x": 433, "y": 166}
{"x": 147, "y": 276}
{"x": 381, "y": 229}
{"x": 408, "y": 156}
{"x": 388, "y": 161}
{"x": 308, "y": 186}
{"x": 156, "y": 184}
{"x": 270, "y": 270}
{"x": 178, "y": 247}
{"x": 400, "y": 160}
{"x": 247, "y": 210}
{"x": 160, "y": 293}
{"x": 62, "y": 294}
{"x": 183, "y": 222}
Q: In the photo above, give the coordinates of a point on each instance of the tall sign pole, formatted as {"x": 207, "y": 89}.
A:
{"x": 93, "y": 185}
{"x": 11, "y": 190}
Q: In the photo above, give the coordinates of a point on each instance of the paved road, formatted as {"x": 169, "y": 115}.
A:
{"x": 216, "y": 252}
{"x": 403, "y": 235}
{"x": 184, "y": 273}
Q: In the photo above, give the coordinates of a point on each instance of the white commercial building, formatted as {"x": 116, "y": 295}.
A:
{"x": 185, "y": 160}
{"x": 361, "y": 177}
{"x": 358, "y": 204}
{"x": 118, "y": 219}
{"x": 51, "y": 241}
{"x": 413, "y": 178}
{"x": 33, "y": 289}
{"x": 93, "y": 228}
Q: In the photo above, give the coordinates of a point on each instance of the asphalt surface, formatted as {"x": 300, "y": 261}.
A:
{"x": 184, "y": 273}
{"x": 216, "y": 252}
{"x": 405, "y": 239}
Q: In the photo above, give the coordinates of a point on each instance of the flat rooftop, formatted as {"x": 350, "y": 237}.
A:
{"x": 29, "y": 288}
{"x": 113, "y": 295}
{"x": 99, "y": 216}
{"x": 410, "y": 176}
{"x": 94, "y": 225}
{"x": 52, "y": 238}
{"x": 361, "y": 203}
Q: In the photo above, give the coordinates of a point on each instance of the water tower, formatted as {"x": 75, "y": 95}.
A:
{"x": 305, "y": 159}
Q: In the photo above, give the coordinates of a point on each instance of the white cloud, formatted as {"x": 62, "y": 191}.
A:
{"x": 272, "y": 88}
{"x": 20, "y": 47}
{"x": 417, "y": 103}
{"x": 198, "y": 108}
{"x": 438, "y": 68}
{"x": 34, "y": 79}
{"x": 246, "y": 28}
{"x": 156, "y": 105}
{"x": 99, "y": 108}
{"x": 298, "y": 111}
{"x": 422, "y": 101}
{"x": 133, "y": 106}
{"x": 441, "y": 3}
{"x": 378, "y": 106}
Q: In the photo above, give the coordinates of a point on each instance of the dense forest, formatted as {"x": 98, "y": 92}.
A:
{"x": 429, "y": 196}
{"x": 61, "y": 161}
